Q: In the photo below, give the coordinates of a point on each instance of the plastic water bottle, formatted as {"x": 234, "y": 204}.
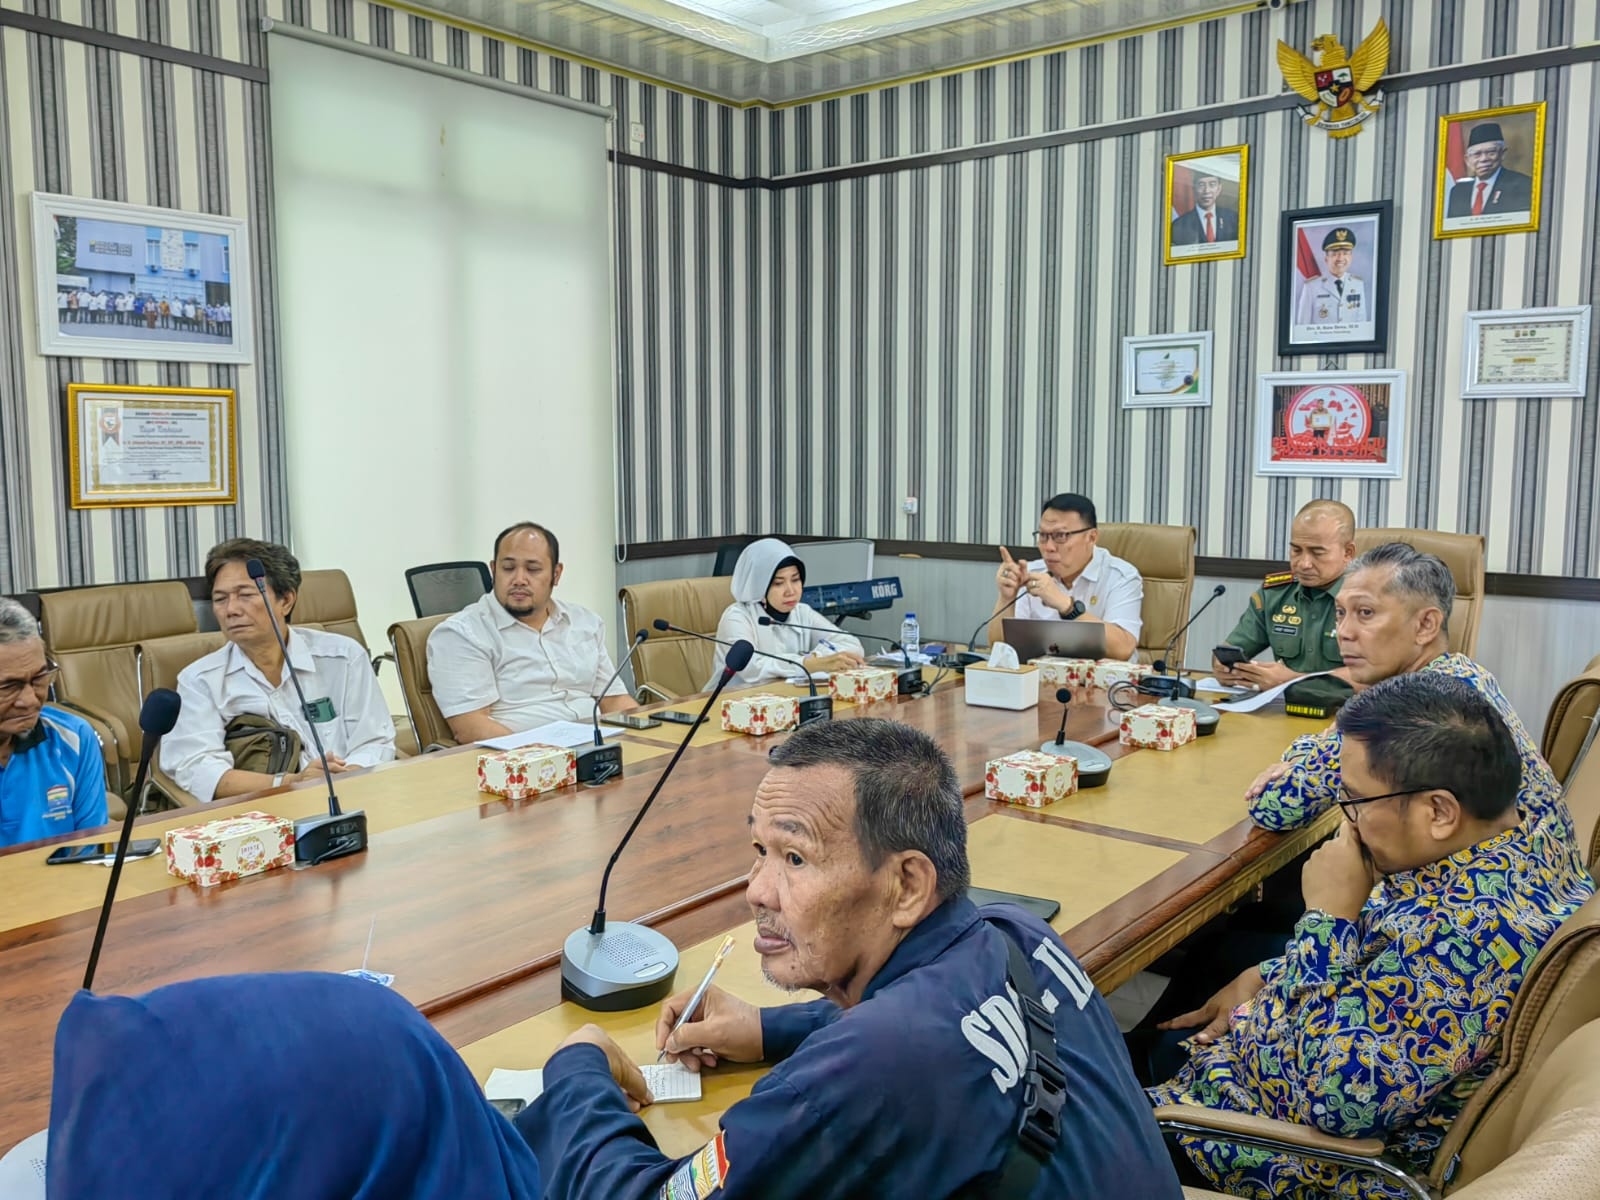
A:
{"x": 910, "y": 634}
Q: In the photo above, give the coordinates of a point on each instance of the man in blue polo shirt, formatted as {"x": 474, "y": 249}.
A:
{"x": 52, "y": 778}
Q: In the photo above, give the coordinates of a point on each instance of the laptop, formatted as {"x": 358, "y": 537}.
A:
{"x": 1059, "y": 639}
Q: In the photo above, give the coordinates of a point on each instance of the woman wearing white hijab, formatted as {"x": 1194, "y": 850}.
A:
{"x": 767, "y": 581}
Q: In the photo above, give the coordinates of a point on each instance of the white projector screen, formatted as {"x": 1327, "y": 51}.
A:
{"x": 444, "y": 300}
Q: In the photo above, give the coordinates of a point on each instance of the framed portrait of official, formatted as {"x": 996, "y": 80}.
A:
{"x": 1204, "y": 218}
{"x": 133, "y": 447}
{"x": 124, "y": 281}
{"x": 1347, "y": 423}
{"x": 1334, "y": 279}
{"x": 1167, "y": 370}
{"x": 1491, "y": 164}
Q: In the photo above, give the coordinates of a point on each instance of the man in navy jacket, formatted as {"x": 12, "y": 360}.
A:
{"x": 907, "y": 1078}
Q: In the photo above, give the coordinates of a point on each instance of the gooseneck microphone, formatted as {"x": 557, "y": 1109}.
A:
{"x": 965, "y": 658}
{"x": 1173, "y": 688}
{"x": 316, "y": 839}
{"x": 813, "y": 707}
{"x": 157, "y": 716}
{"x": 909, "y": 677}
{"x": 609, "y": 968}
{"x": 599, "y": 762}
{"x": 1094, "y": 764}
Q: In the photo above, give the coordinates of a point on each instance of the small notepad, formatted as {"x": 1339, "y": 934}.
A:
{"x": 668, "y": 1083}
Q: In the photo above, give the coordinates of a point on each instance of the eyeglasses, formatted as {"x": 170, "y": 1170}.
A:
{"x": 1059, "y": 537}
{"x": 1350, "y": 803}
{"x": 10, "y": 689}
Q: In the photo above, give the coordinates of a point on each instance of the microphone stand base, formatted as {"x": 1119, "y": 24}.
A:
{"x": 317, "y": 839}
{"x": 626, "y": 967}
{"x": 598, "y": 763}
{"x": 1168, "y": 687}
{"x": 1206, "y": 718}
{"x": 959, "y": 661}
{"x": 815, "y": 708}
{"x": 908, "y": 681}
{"x": 1094, "y": 766}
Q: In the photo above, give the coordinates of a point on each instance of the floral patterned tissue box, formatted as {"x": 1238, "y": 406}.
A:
{"x": 1030, "y": 778}
{"x": 1115, "y": 670}
{"x": 526, "y": 771}
{"x": 1065, "y": 672}
{"x": 864, "y": 685}
{"x": 760, "y": 714}
{"x": 1157, "y": 727}
{"x": 230, "y": 848}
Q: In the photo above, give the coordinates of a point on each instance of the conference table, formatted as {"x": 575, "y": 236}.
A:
{"x": 468, "y": 897}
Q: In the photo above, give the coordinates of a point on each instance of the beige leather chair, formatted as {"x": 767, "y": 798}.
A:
{"x": 91, "y": 634}
{"x": 1463, "y": 554}
{"x": 327, "y": 601}
{"x": 1519, "y": 1121}
{"x": 1164, "y": 555}
{"x": 670, "y": 664}
{"x": 1572, "y": 715}
{"x": 410, "y": 642}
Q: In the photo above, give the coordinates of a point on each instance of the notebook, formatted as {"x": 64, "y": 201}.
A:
{"x": 668, "y": 1083}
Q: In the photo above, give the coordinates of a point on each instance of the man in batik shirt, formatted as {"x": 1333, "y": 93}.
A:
{"x": 1393, "y": 613}
{"x": 1422, "y": 915}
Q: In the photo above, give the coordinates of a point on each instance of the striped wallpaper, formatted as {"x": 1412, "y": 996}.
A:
{"x": 800, "y": 351}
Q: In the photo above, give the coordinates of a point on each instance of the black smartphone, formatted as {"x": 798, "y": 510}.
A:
{"x": 677, "y": 717}
{"x": 102, "y": 852}
{"x": 1228, "y": 656}
{"x": 629, "y": 720}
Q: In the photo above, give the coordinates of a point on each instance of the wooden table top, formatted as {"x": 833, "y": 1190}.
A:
{"x": 475, "y": 895}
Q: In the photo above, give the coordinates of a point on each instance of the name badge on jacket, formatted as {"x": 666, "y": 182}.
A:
{"x": 320, "y": 712}
{"x": 57, "y": 802}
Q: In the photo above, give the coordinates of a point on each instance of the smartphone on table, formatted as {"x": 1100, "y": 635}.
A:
{"x": 678, "y": 717}
{"x": 102, "y": 852}
{"x": 629, "y": 720}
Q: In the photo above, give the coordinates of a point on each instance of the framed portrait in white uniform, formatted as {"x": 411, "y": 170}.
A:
{"x": 1334, "y": 279}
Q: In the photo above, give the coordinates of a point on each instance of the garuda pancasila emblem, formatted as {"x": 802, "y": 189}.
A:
{"x": 1340, "y": 87}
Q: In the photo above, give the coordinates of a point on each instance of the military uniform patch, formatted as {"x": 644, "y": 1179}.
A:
{"x": 701, "y": 1174}
{"x": 1278, "y": 579}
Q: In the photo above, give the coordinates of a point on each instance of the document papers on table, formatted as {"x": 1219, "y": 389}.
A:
{"x": 556, "y": 733}
{"x": 1261, "y": 699}
{"x": 668, "y": 1082}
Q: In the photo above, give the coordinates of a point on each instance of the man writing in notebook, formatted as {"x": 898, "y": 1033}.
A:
{"x": 909, "y": 1077}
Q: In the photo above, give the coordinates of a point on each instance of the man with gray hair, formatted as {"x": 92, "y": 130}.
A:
{"x": 52, "y": 778}
{"x": 1393, "y": 613}
{"x": 911, "y": 1078}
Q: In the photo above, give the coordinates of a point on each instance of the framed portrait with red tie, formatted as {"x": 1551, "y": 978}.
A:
{"x": 1490, "y": 171}
{"x": 1205, "y": 213}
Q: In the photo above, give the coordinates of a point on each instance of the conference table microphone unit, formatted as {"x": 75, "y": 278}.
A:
{"x": 908, "y": 677}
{"x": 962, "y": 659}
{"x": 810, "y": 708}
{"x": 599, "y": 762}
{"x": 1094, "y": 764}
{"x": 1173, "y": 688}
{"x": 335, "y": 833}
{"x": 611, "y": 968}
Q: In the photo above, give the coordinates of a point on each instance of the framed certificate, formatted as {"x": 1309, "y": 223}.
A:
{"x": 1527, "y": 353}
{"x": 1171, "y": 370}
{"x": 141, "y": 446}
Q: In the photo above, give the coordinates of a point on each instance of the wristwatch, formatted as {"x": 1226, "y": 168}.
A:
{"x": 1077, "y": 610}
{"x": 277, "y": 781}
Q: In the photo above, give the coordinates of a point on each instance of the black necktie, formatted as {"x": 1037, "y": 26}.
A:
{"x": 1339, "y": 283}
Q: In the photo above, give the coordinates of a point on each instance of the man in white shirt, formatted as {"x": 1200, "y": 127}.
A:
{"x": 249, "y": 675}
{"x": 1075, "y": 580}
{"x": 519, "y": 657}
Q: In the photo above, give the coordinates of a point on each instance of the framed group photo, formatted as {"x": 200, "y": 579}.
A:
{"x": 1205, "y": 210}
{"x": 139, "y": 446}
{"x": 1167, "y": 370}
{"x": 1334, "y": 279}
{"x": 125, "y": 281}
{"x": 1490, "y": 166}
{"x": 1346, "y": 423}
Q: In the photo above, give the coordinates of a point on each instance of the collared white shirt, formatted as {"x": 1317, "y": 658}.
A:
{"x": 483, "y": 657}
{"x": 225, "y": 683}
{"x": 1109, "y": 588}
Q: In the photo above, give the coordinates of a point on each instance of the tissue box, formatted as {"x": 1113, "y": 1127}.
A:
{"x": 1003, "y": 687}
{"x": 1065, "y": 672}
{"x": 230, "y": 848}
{"x": 526, "y": 771}
{"x": 760, "y": 714}
{"x": 864, "y": 685}
{"x": 1030, "y": 778}
{"x": 1115, "y": 670}
{"x": 1157, "y": 727}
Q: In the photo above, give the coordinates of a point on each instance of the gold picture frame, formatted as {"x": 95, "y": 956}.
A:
{"x": 151, "y": 446}
{"x": 1509, "y": 201}
{"x": 1184, "y": 238}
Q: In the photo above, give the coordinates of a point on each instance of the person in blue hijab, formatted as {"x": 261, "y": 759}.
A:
{"x": 304, "y": 1085}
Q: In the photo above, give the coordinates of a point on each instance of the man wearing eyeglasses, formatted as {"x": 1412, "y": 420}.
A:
{"x": 52, "y": 778}
{"x": 1074, "y": 580}
{"x": 1384, "y": 1012}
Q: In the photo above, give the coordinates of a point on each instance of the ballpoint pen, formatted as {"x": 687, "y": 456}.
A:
{"x": 699, "y": 992}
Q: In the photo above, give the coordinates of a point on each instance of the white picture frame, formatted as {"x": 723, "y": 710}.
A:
{"x": 103, "y": 271}
{"x": 1167, "y": 370}
{"x": 1349, "y": 424}
{"x": 1556, "y": 363}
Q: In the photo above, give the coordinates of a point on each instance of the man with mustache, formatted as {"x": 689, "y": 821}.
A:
{"x": 911, "y": 1076}
{"x": 519, "y": 657}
